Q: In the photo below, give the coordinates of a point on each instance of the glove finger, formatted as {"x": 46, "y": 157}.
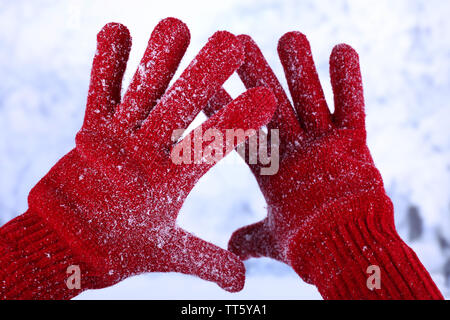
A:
{"x": 221, "y": 133}
{"x": 254, "y": 241}
{"x": 214, "y": 64}
{"x": 195, "y": 256}
{"x": 303, "y": 81}
{"x": 166, "y": 47}
{"x": 216, "y": 103}
{"x": 256, "y": 72}
{"x": 347, "y": 87}
{"x": 108, "y": 67}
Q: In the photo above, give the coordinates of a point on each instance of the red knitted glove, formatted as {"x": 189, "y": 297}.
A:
{"x": 110, "y": 205}
{"x": 328, "y": 214}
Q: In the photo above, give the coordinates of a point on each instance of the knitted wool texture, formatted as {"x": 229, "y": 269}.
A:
{"x": 328, "y": 214}
{"x": 110, "y": 205}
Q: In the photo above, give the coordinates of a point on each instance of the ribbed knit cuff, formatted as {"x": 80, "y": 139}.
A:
{"x": 34, "y": 262}
{"x": 357, "y": 254}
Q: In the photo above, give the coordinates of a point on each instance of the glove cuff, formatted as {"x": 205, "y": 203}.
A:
{"x": 34, "y": 262}
{"x": 358, "y": 254}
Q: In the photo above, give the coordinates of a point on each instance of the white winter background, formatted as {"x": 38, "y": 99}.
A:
{"x": 46, "y": 48}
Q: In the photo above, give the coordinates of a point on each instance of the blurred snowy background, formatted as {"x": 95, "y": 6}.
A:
{"x": 46, "y": 48}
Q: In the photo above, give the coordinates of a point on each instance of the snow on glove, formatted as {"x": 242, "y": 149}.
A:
{"x": 328, "y": 214}
{"x": 110, "y": 205}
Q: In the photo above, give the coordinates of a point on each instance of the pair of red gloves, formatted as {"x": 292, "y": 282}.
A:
{"x": 110, "y": 205}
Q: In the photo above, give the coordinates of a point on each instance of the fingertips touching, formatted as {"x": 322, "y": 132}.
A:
{"x": 254, "y": 72}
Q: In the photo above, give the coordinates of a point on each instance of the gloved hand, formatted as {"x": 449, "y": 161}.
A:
{"x": 110, "y": 205}
{"x": 328, "y": 214}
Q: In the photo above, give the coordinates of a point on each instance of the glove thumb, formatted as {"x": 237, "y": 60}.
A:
{"x": 194, "y": 256}
{"x": 253, "y": 241}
